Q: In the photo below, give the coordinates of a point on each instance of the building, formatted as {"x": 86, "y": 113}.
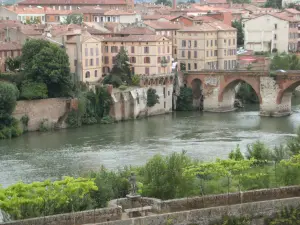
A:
{"x": 8, "y": 49}
{"x": 85, "y": 55}
{"x": 167, "y": 29}
{"x": 23, "y": 14}
{"x": 56, "y": 16}
{"x": 207, "y": 46}
{"x": 75, "y": 4}
{"x": 275, "y": 31}
{"x": 148, "y": 54}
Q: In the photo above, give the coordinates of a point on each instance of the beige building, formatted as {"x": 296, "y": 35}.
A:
{"x": 207, "y": 46}
{"x": 277, "y": 31}
{"x": 85, "y": 56}
{"x": 148, "y": 54}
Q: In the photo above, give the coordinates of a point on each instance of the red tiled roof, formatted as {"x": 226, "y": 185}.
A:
{"x": 9, "y": 46}
{"x": 26, "y": 10}
{"x": 157, "y": 16}
{"x": 73, "y": 2}
{"x": 118, "y": 12}
{"x": 89, "y": 9}
{"x": 292, "y": 11}
{"x": 159, "y": 25}
{"x": 136, "y": 38}
{"x": 284, "y": 16}
{"x": 136, "y": 31}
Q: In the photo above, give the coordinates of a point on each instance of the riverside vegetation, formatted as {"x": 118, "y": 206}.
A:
{"x": 173, "y": 176}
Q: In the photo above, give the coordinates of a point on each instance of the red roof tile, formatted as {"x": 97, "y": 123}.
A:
{"x": 136, "y": 31}
{"x": 159, "y": 25}
{"x": 136, "y": 38}
{"x": 73, "y": 2}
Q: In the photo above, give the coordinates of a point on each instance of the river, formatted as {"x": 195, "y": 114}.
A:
{"x": 37, "y": 156}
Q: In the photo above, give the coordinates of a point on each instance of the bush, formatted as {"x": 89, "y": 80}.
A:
{"x": 185, "y": 99}
{"x": 135, "y": 79}
{"x": 236, "y": 154}
{"x": 259, "y": 151}
{"x": 11, "y": 131}
{"x": 44, "y": 125}
{"x": 25, "y": 119}
{"x": 152, "y": 97}
{"x": 74, "y": 119}
{"x": 107, "y": 120}
{"x": 33, "y": 90}
{"x": 8, "y": 99}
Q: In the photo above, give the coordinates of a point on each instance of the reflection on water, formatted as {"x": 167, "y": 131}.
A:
{"x": 205, "y": 136}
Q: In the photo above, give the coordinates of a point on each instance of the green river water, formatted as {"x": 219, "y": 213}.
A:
{"x": 38, "y": 156}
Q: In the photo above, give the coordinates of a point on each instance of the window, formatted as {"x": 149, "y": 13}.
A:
{"x": 275, "y": 36}
{"x": 190, "y": 44}
{"x": 146, "y": 49}
{"x": 132, "y": 49}
{"x": 233, "y": 41}
{"x": 91, "y": 62}
{"x": 75, "y": 62}
{"x": 225, "y": 65}
{"x": 86, "y": 62}
{"x": 96, "y": 73}
{"x": 147, "y": 60}
{"x": 225, "y": 52}
{"x": 97, "y": 62}
{"x": 206, "y": 53}
{"x": 195, "y": 44}
{"x": 275, "y": 26}
{"x": 195, "y": 54}
{"x": 168, "y": 49}
{"x": 108, "y": 19}
{"x": 97, "y": 51}
{"x": 216, "y": 53}
{"x": 147, "y": 71}
{"x": 158, "y": 60}
{"x": 224, "y": 41}
{"x": 183, "y": 43}
{"x": 132, "y": 60}
{"x": 87, "y": 74}
{"x": 207, "y": 43}
{"x": 189, "y": 54}
{"x": 211, "y": 53}
{"x": 113, "y": 59}
{"x": 216, "y": 43}
{"x": 86, "y": 51}
{"x": 229, "y": 42}
{"x": 114, "y": 49}
{"x": 106, "y": 49}
{"x": 211, "y": 43}
{"x": 195, "y": 66}
{"x": 106, "y": 60}
{"x": 189, "y": 66}
{"x": 183, "y": 54}
{"x": 91, "y": 51}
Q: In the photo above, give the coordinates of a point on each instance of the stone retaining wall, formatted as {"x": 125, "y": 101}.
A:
{"x": 256, "y": 210}
{"x": 77, "y": 218}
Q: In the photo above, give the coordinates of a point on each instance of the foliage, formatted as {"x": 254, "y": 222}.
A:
{"x": 107, "y": 120}
{"x": 247, "y": 94}
{"x": 44, "y": 125}
{"x": 123, "y": 87}
{"x": 47, "y": 198}
{"x": 249, "y": 67}
{"x": 285, "y": 61}
{"x": 9, "y": 128}
{"x": 121, "y": 72}
{"x": 47, "y": 63}
{"x": 74, "y": 119}
{"x": 259, "y": 151}
{"x": 234, "y": 221}
{"x": 289, "y": 171}
{"x": 164, "y": 2}
{"x": 285, "y": 217}
{"x": 13, "y": 64}
{"x": 25, "y": 119}
{"x": 135, "y": 79}
{"x": 8, "y": 99}
{"x": 240, "y": 32}
{"x": 14, "y": 78}
{"x": 74, "y": 19}
{"x": 163, "y": 177}
{"x": 34, "y": 20}
{"x": 236, "y": 154}
{"x": 33, "y": 90}
{"x": 277, "y": 4}
{"x": 152, "y": 97}
{"x": 185, "y": 99}
{"x": 293, "y": 144}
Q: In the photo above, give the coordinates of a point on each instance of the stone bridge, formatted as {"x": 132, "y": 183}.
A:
{"x": 218, "y": 88}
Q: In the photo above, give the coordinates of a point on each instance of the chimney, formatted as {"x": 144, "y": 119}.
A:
{"x": 174, "y": 4}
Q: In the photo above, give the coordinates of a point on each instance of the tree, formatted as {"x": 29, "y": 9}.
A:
{"x": 13, "y": 64}
{"x": 74, "y": 19}
{"x": 285, "y": 61}
{"x": 240, "y": 32}
{"x": 8, "y": 99}
{"x": 185, "y": 99}
{"x": 277, "y": 4}
{"x": 33, "y": 90}
{"x": 121, "y": 72}
{"x": 259, "y": 151}
{"x": 47, "y": 63}
{"x": 164, "y": 2}
{"x": 35, "y": 20}
{"x": 236, "y": 154}
{"x": 152, "y": 97}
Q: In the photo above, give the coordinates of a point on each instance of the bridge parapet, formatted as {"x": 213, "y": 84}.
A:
{"x": 230, "y": 72}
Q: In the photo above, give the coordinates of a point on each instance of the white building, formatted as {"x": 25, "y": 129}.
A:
{"x": 23, "y": 14}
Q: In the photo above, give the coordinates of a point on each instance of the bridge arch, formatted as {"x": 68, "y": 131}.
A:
{"x": 197, "y": 88}
{"x": 285, "y": 94}
{"x": 227, "y": 87}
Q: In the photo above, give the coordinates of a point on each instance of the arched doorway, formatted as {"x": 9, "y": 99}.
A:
{"x": 198, "y": 97}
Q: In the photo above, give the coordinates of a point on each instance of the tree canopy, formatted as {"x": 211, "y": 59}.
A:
{"x": 285, "y": 61}
{"x": 74, "y": 19}
{"x": 277, "y": 4}
{"x": 47, "y": 63}
{"x": 164, "y": 2}
{"x": 240, "y": 33}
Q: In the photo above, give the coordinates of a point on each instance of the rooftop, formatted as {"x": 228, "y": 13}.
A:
{"x": 73, "y": 2}
{"x": 137, "y": 38}
{"x": 162, "y": 25}
{"x": 136, "y": 31}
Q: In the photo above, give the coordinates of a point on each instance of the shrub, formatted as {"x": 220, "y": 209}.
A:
{"x": 135, "y": 79}
{"x": 152, "y": 97}
{"x": 107, "y": 120}
{"x": 33, "y": 90}
{"x": 44, "y": 125}
{"x": 236, "y": 154}
{"x": 259, "y": 151}
{"x": 74, "y": 119}
{"x": 25, "y": 119}
{"x": 8, "y": 99}
{"x": 11, "y": 131}
{"x": 185, "y": 99}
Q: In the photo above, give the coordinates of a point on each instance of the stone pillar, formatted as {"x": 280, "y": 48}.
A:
{"x": 269, "y": 91}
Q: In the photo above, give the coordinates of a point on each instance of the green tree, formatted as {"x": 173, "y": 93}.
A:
{"x": 33, "y": 90}
{"x": 8, "y": 99}
{"x": 285, "y": 61}
{"x": 152, "y": 97}
{"x": 74, "y": 19}
{"x": 240, "y": 32}
{"x": 259, "y": 151}
{"x": 13, "y": 64}
{"x": 185, "y": 99}
{"x": 277, "y": 4}
{"x": 164, "y": 2}
{"x": 47, "y": 63}
{"x": 236, "y": 154}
